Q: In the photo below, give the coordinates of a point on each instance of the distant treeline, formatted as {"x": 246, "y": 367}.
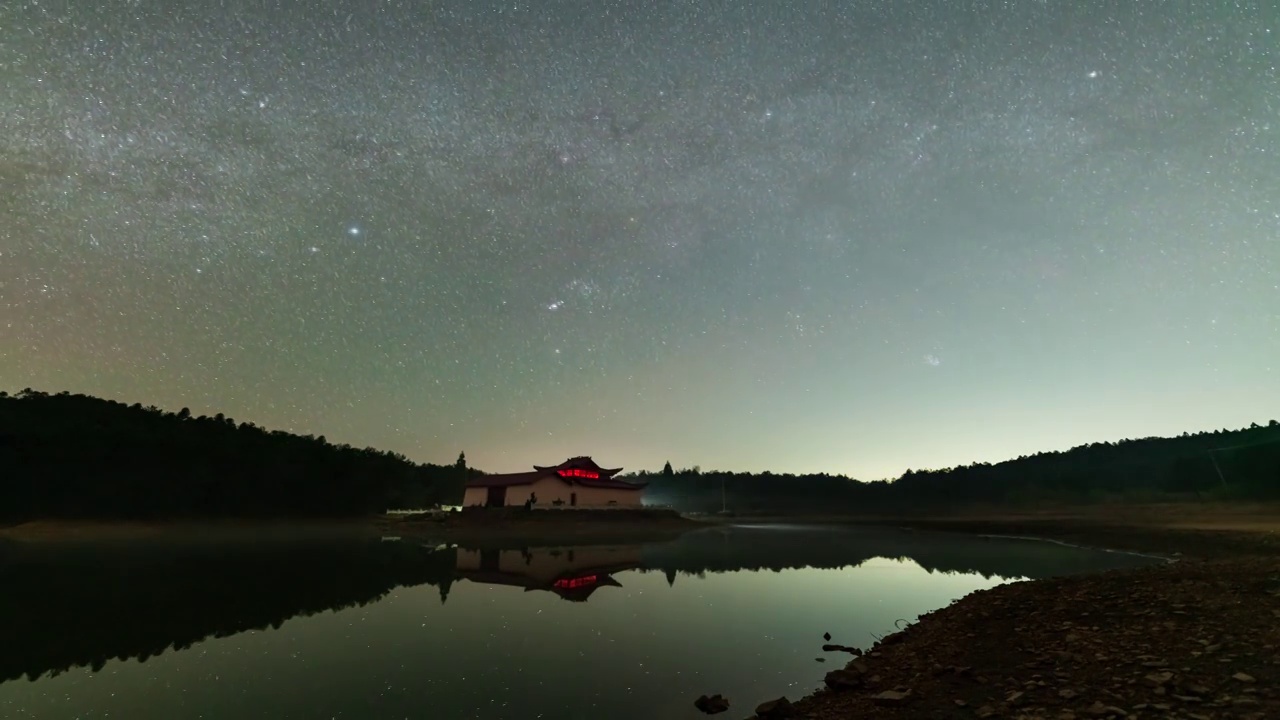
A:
{"x": 1223, "y": 464}
{"x": 75, "y": 456}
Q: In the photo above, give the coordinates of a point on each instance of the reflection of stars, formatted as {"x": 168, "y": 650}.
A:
{"x": 932, "y": 360}
{"x": 354, "y": 231}
{"x": 555, "y": 305}
{"x": 585, "y": 288}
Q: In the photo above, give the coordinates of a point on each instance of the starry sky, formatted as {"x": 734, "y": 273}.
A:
{"x": 849, "y": 236}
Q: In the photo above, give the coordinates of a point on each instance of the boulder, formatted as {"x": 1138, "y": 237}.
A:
{"x": 829, "y": 647}
{"x": 1102, "y": 710}
{"x": 843, "y": 680}
{"x": 891, "y": 697}
{"x": 780, "y": 708}
{"x": 711, "y": 705}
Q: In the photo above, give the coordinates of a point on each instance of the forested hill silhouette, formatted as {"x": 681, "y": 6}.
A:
{"x": 75, "y": 456}
{"x": 1222, "y": 464}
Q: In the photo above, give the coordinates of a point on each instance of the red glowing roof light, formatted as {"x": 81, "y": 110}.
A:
{"x": 578, "y": 473}
{"x": 574, "y": 583}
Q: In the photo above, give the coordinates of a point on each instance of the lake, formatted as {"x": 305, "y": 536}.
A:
{"x": 343, "y": 628}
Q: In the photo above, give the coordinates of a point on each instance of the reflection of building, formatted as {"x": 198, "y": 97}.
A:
{"x": 572, "y": 573}
{"x": 576, "y": 482}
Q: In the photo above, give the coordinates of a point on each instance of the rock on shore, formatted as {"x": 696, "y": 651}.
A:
{"x": 1190, "y": 640}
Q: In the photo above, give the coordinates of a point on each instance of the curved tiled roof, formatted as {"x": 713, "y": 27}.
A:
{"x": 583, "y": 462}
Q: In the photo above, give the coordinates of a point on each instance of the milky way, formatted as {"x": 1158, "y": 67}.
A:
{"x": 844, "y": 236}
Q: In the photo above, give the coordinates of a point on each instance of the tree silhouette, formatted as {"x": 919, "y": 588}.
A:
{"x": 75, "y": 456}
{"x": 1240, "y": 464}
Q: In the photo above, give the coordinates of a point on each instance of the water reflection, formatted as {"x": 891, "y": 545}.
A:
{"x": 782, "y": 547}
{"x": 735, "y": 610}
{"x": 79, "y": 605}
{"x": 572, "y": 573}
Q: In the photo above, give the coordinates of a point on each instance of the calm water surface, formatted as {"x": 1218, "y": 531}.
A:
{"x": 344, "y": 629}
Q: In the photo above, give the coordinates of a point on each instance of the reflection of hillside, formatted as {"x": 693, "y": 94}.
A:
{"x": 572, "y": 573}
{"x": 776, "y": 548}
{"x": 80, "y": 606}
{"x": 765, "y": 548}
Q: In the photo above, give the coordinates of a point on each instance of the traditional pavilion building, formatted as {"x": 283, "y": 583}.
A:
{"x": 575, "y": 483}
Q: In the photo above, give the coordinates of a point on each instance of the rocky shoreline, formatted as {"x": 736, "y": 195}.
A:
{"x": 1198, "y": 638}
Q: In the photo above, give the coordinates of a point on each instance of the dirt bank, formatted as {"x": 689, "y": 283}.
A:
{"x": 1168, "y": 540}
{"x": 1201, "y": 530}
{"x": 1196, "y": 638}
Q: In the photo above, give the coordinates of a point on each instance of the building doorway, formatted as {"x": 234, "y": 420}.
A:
{"x": 573, "y": 499}
{"x": 497, "y": 496}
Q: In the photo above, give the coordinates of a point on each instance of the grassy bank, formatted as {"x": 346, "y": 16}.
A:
{"x": 473, "y": 527}
{"x": 78, "y": 531}
{"x": 1191, "y": 529}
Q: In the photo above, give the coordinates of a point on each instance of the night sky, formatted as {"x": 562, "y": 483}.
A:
{"x": 852, "y": 237}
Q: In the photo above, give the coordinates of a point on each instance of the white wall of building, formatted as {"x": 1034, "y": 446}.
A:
{"x": 543, "y": 567}
{"x": 475, "y": 496}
